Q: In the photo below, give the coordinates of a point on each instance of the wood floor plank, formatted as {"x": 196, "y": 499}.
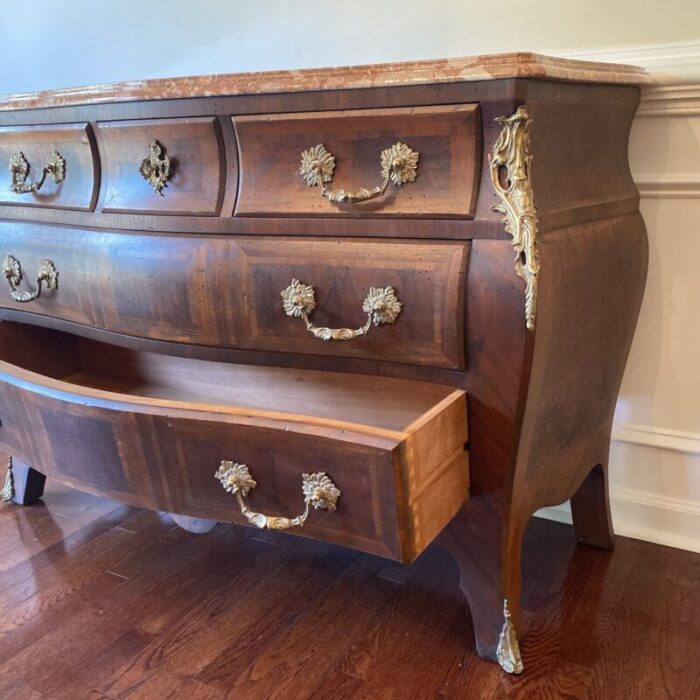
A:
{"x": 16, "y": 691}
{"x": 68, "y": 574}
{"x": 296, "y": 659}
{"x": 671, "y": 669}
{"x": 307, "y": 575}
{"x": 428, "y": 621}
{"x": 145, "y": 606}
{"x": 104, "y": 602}
{"x": 337, "y": 684}
{"x": 108, "y": 607}
{"x": 165, "y": 685}
{"x": 36, "y": 540}
{"x": 176, "y": 647}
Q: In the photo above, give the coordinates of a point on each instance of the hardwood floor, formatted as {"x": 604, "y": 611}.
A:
{"x": 102, "y": 600}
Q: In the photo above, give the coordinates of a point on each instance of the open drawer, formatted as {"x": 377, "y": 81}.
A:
{"x": 152, "y": 430}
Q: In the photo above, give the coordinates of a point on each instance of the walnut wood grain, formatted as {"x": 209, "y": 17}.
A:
{"x": 75, "y": 142}
{"x": 197, "y": 162}
{"x": 446, "y": 137}
{"x": 380, "y": 368}
{"x": 500, "y": 353}
{"x": 565, "y": 122}
{"x": 225, "y": 292}
{"x": 590, "y": 510}
{"x": 598, "y": 266}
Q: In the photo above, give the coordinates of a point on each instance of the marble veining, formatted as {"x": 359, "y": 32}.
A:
{"x": 450, "y": 70}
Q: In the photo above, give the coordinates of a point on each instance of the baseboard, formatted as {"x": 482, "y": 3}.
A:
{"x": 646, "y": 516}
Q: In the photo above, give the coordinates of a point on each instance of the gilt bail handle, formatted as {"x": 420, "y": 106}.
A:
{"x": 318, "y": 491}
{"x": 54, "y": 168}
{"x": 47, "y": 275}
{"x": 399, "y": 164}
{"x": 381, "y": 306}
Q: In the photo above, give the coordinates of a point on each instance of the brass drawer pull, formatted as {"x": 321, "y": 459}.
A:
{"x": 319, "y": 491}
{"x": 156, "y": 168}
{"x": 399, "y": 164}
{"x": 55, "y": 168}
{"x": 381, "y": 306}
{"x": 12, "y": 269}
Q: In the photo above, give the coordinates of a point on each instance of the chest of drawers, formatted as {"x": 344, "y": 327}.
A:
{"x": 372, "y": 306}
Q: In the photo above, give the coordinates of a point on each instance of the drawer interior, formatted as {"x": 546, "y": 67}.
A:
{"x": 385, "y": 403}
{"x": 150, "y": 429}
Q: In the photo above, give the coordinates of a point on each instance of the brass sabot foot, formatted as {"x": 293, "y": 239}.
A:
{"x": 508, "y": 651}
{"x": 8, "y": 490}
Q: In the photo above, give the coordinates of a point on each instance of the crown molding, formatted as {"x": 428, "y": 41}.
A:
{"x": 668, "y": 64}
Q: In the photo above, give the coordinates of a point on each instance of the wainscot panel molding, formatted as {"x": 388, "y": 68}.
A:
{"x": 676, "y": 440}
{"x": 668, "y": 100}
{"x": 668, "y": 188}
{"x": 655, "y": 470}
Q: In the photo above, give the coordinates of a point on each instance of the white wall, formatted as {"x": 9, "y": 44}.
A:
{"x": 64, "y": 43}
{"x": 655, "y": 460}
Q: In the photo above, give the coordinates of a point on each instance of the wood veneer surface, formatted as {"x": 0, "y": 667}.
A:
{"x": 225, "y": 291}
{"x": 447, "y": 139}
{"x": 75, "y": 143}
{"x": 392, "y": 404}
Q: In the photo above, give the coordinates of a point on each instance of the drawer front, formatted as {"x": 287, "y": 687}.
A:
{"x": 195, "y": 176}
{"x": 74, "y": 143}
{"x": 446, "y": 138}
{"x": 399, "y": 485}
{"x": 227, "y": 293}
{"x": 168, "y": 463}
{"x": 427, "y": 280}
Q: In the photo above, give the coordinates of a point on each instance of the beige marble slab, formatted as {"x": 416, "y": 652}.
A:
{"x": 450, "y": 70}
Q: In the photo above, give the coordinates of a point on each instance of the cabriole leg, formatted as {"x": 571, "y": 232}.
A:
{"x": 489, "y": 581}
{"x": 22, "y": 485}
{"x": 590, "y": 510}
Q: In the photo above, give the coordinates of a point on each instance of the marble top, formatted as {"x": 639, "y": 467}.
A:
{"x": 449, "y": 70}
